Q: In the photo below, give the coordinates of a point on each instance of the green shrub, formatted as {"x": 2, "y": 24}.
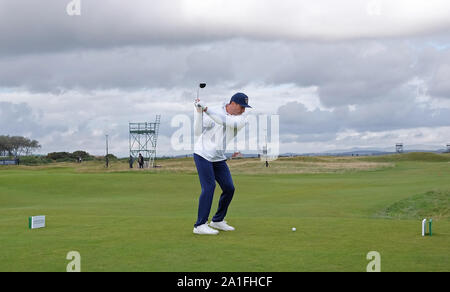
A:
{"x": 34, "y": 160}
{"x": 69, "y": 157}
{"x": 112, "y": 157}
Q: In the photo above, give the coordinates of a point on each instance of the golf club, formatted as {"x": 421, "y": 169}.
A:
{"x": 201, "y": 85}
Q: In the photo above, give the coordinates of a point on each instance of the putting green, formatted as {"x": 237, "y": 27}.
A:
{"x": 143, "y": 221}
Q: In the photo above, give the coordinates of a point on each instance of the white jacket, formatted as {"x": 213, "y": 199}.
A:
{"x": 214, "y": 130}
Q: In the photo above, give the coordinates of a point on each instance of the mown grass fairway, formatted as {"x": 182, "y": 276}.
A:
{"x": 124, "y": 220}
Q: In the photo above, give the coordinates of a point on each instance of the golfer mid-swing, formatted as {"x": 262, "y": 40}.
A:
{"x": 214, "y": 128}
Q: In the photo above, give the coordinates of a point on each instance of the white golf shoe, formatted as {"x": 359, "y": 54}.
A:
{"x": 205, "y": 229}
{"x": 221, "y": 225}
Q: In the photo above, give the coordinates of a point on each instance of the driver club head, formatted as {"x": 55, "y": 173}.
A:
{"x": 201, "y": 85}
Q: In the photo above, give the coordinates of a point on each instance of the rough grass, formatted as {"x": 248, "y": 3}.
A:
{"x": 433, "y": 204}
{"x": 283, "y": 165}
{"x": 413, "y": 156}
{"x": 299, "y": 165}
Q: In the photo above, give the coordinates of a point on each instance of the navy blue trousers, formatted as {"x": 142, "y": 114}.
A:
{"x": 209, "y": 173}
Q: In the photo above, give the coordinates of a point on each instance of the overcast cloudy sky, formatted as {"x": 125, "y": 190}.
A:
{"x": 341, "y": 74}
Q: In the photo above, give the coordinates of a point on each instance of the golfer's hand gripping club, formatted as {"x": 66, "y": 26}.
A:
{"x": 200, "y": 108}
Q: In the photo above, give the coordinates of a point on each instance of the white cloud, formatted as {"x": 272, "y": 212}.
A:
{"x": 320, "y": 20}
{"x": 422, "y": 138}
{"x": 44, "y": 26}
{"x": 343, "y": 73}
{"x": 80, "y": 120}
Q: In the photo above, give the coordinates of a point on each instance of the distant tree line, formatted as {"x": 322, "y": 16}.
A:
{"x": 17, "y": 146}
{"x": 66, "y": 156}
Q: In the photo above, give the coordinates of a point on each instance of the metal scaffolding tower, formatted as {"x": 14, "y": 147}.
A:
{"x": 143, "y": 138}
{"x": 399, "y": 147}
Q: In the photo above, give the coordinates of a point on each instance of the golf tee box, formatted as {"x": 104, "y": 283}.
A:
{"x": 429, "y": 226}
{"x": 35, "y": 222}
{"x": 424, "y": 227}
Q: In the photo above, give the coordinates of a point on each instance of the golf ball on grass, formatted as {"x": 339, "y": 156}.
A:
{"x": 294, "y": 229}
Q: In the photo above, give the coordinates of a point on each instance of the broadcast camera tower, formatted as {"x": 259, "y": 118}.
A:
{"x": 142, "y": 140}
{"x": 399, "y": 147}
